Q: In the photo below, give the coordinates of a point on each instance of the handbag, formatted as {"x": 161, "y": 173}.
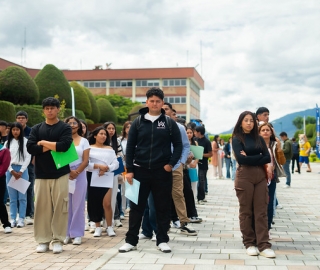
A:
{"x": 193, "y": 174}
{"x": 280, "y": 171}
{"x": 281, "y": 159}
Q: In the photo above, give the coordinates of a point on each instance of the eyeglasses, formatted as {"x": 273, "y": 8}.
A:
{"x": 72, "y": 123}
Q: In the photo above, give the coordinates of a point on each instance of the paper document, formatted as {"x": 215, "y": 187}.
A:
{"x": 72, "y": 185}
{"x": 62, "y": 159}
{"x": 21, "y": 184}
{"x": 197, "y": 151}
{"x": 105, "y": 180}
{"x": 132, "y": 191}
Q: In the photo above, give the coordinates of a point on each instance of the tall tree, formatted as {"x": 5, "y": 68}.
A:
{"x": 298, "y": 122}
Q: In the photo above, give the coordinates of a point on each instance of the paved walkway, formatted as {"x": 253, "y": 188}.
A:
{"x": 296, "y": 238}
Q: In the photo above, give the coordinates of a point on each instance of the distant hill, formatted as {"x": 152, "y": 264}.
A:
{"x": 285, "y": 123}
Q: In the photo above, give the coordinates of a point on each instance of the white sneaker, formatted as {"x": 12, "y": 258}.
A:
{"x": 117, "y": 223}
{"x": 270, "y": 237}
{"x": 28, "y": 221}
{"x": 7, "y": 230}
{"x": 126, "y": 212}
{"x": 122, "y": 217}
{"x": 252, "y": 251}
{"x": 97, "y": 232}
{"x": 164, "y": 247}
{"x": 42, "y": 248}
{"x": 142, "y": 236}
{"x": 268, "y": 253}
{"x": 67, "y": 240}
{"x": 279, "y": 206}
{"x": 176, "y": 224}
{"x": 127, "y": 247}
{"x": 77, "y": 241}
{"x": 92, "y": 227}
{"x": 56, "y": 248}
{"x": 13, "y": 223}
{"x": 154, "y": 238}
{"x": 110, "y": 231}
{"x": 286, "y": 186}
{"x": 86, "y": 227}
{"x": 20, "y": 223}
{"x": 201, "y": 202}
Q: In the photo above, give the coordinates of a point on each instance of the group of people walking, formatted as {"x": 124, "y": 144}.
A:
{"x": 155, "y": 150}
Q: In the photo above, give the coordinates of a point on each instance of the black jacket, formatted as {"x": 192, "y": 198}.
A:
{"x": 149, "y": 144}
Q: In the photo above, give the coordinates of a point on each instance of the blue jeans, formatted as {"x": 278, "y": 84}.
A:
{"x": 149, "y": 222}
{"x": 228, "y": 163}
{"x": 272, "y": 191}
{"x": 234, "y": 168}
{"x": 16, "y": 196}
{"x": 286, "y": 168}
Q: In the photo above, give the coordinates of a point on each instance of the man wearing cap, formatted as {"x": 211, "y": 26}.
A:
{"x": 22, "y": 118}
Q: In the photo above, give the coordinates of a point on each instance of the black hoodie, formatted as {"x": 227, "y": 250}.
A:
{"x": 149, "y": 144}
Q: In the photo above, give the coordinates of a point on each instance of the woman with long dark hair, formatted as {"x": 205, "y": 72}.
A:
{"x": 267, "y": 133}
{"x": 76, "y": 218}
{"x": 250, "y": 184}
{"x": 102, "y": 159}
{"x": 124, "y": 204}
{"x": 115, "y": 143}
{"x": 20, "y": 159}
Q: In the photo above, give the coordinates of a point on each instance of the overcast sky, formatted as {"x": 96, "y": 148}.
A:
{"x": 254, "y": 52}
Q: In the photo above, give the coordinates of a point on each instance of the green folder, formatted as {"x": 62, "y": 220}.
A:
{"x": 62, "y": 159}
{"x": 197, "y": 151}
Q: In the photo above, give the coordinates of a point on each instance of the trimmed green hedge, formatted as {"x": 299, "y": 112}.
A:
{"x": 81, "y": 99}
{"x": 7, "y": 111}
{"x": 51, "y": 81}
{"x": 95, "y": 114}
{"x": 107, "y": 112}
{"x": 17, "y": 86}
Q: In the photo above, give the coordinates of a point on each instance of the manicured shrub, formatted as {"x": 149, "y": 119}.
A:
{"x": 7, "y": 111}
{"x": 81, "y": 98}
{"x": 95, "y": 114}
{"x": 51, "y": 81}
{"x": 134, "y": 113}
{"x": 107, "y": 112}
{"x": 17, "y": 86}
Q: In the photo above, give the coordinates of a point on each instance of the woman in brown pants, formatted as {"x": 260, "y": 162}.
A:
{"x": 251, "y": 187}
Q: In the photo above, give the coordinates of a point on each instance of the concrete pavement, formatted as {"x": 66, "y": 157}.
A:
{"x": 296, "y": 238}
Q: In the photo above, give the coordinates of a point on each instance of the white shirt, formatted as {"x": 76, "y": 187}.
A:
{"x": 83, "y": 145}
{"x": 14, "y": 153}
{"x": 152, "y": 118}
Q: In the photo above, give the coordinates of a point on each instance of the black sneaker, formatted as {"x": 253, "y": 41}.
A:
{"x": 188, "y": 230}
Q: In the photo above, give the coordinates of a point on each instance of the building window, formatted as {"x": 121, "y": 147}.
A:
{"x": 149, "y": 83}
{"x": 183, "y": 100}
{"x": 120, "y": 83}
{"x": 94, "y": 84}
{"x": 175, "y": 82}
{"x": 175, "y": 100}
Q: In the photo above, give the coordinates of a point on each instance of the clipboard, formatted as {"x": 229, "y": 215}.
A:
{"x": 62, "y": 159}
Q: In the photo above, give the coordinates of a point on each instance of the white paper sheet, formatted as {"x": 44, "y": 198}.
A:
{"x": 132, "y": 191}
{"x": 21, "y": 184}
{"x": 105, "y": 180}
{"x": 72, "y": 185}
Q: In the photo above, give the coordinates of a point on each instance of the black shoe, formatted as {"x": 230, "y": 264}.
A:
{"x": 188, "y": 230}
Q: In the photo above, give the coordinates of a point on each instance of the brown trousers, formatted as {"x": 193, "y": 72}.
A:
{"x": 178, "y": 195}
{"x": 51, "y": 209}
{"x": 252, "y": 192}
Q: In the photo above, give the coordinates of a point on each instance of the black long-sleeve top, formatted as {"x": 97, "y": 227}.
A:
{"x": 255, "y": 156}
{"x": 60, "y": 133}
